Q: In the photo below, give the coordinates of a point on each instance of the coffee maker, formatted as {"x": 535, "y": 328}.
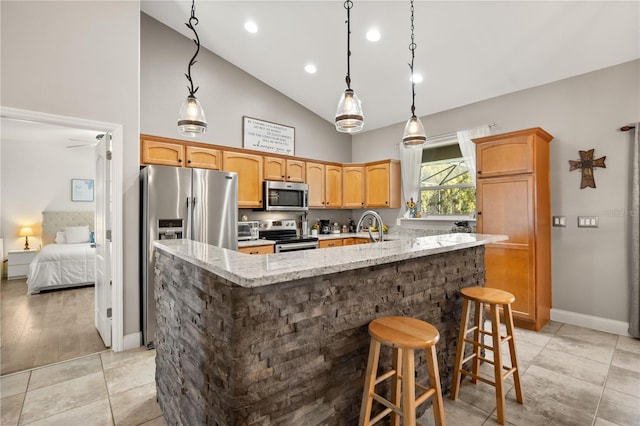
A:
{"x": 325, "y": 226}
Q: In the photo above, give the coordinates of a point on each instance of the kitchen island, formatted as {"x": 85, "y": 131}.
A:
{"x": 282, "y": 338}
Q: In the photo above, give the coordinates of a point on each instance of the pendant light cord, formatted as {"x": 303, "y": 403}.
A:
{"x": 348, "y": 5}
{"x": 193, "y": 21}
{"x": 412, "y": 47}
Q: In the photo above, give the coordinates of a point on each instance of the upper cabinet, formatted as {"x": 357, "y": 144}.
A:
{"x": 316, "y": 182}
{"x": 503, "y": 156}
{"x": 333, "y": 186}
{"x": 276, "y": 168}
{"x": 162, "y": 153}
{"x": 203, "y": 158}
{"x": 353, "y": 186}
{"x": 249, "y": 168}
{"x": 382, "y": 186}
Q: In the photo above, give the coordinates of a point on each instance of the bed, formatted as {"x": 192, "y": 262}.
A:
{"x": 67, "y": 258}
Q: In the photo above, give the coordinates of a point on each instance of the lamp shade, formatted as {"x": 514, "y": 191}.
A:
{"x": 192, "y": 121}
{"x": 414, "y": 133}
{"x": 25, "y": 231}
{"x": 349, "y": 118}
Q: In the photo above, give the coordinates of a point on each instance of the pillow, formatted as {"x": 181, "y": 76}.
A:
{"x": 92, "y": 237}
{"x": 76, "y": 234}
{"x": 60, "y": 239}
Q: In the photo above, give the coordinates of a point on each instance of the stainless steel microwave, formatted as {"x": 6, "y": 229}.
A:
{"x": 285, "y": 196}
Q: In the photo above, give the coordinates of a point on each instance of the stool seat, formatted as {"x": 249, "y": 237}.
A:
{"x": 404, "y": 332}
{"x": 491, "y": 296}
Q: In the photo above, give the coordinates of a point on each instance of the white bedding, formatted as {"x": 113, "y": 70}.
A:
{"x": 61, "y": 265}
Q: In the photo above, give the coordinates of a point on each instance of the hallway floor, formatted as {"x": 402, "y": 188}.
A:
{"x": 570, "y": 376}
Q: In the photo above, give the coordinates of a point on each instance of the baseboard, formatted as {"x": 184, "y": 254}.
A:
{"x": 589, "y": 321}
{"x": 132, "y": 341}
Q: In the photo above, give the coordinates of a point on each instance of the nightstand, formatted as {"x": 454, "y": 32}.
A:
{"x": 19, "y": 263}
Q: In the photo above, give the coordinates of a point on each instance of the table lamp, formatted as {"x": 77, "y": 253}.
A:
{"x": 26, "y": 232}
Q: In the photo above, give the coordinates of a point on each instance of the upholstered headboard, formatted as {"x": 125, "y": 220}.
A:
{"x": 53, "y": 222}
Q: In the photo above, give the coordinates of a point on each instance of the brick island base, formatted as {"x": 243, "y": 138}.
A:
{"x": 293, "y": 353}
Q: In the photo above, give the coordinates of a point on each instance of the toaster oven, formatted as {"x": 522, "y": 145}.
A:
{"x": 248, "y": 230}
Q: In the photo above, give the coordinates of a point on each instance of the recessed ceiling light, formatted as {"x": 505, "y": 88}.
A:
{"x": 417, "y": 78}
{"x": 251, "y": 27}
{"x": 310, "y": 68}
{"x": 373, "y": 35}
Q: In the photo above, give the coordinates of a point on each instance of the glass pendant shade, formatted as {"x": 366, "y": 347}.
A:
{"x": 349, "y": 118}
{"x": 414, "y": 134}
{"x": 192, "y": 121}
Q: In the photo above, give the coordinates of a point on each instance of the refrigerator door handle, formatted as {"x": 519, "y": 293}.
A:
{"x": 189, "y": 218}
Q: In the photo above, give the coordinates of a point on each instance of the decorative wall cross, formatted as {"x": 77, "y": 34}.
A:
{"x": 587, "y": 163}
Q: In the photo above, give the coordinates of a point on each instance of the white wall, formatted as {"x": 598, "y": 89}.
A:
{"x": 27, "y": 190}
{"x": 589, "y": 266}
{"x": 226, "y": 93}
{"x": 81, "y": 59}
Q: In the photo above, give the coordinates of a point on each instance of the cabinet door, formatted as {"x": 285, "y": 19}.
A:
{"x": 348, "y": 241}
{"x": 249, "y": 169}
{"x": 330, "y": 243}
{"x": 505, "y": 157}
{"x": 506, "y": 206}
{"x": 274, "y": 168}
{"x": 203, "y": 158}
{"x": 353, "y": 187}
{"x": 295, "y": 171}
{"x": 315, "y": 180}
{"x": 333, "y": 187}
{"x": 377, "y": 185}
{"x": 162, "y": 153}
{"x": 268, "y": 249}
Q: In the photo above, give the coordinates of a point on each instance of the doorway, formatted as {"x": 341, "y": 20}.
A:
{"x": 115, "y": 268}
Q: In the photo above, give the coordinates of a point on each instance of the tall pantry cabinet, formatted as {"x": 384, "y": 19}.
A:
{"x": 513, "y": 199}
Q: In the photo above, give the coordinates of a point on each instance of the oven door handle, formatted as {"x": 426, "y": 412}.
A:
{"x": 294, "y": 246}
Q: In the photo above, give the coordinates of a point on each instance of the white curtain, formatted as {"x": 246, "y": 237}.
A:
{"x": 468, "y": 148}
{"x": 634, "y": 237}
{"x": 410, "y": 161}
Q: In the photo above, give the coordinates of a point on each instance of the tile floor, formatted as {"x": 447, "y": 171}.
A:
{"x": 570, "y": 376}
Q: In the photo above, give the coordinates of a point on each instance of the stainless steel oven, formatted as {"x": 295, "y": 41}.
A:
{"x": 287, "y": 238}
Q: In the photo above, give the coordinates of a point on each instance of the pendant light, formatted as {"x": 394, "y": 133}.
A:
{"x": 349, "y": 118}
{"x": 414, "y": 135}
{"x": 191, "y": 121}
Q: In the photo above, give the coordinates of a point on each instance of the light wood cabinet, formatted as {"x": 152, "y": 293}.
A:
{"x": 316, "y": 182}
{"x": 266, "y": 249}
{"x": 282, "y": 169}
{"x": 330, "y": 243}
{"x": 203, "y": 158}
{"x": 162, "y": 153}
{"x": 353, "y": 186}
{"x": 250, "y": 171}
{"x": 362, "y": 240}
{"x": 333, "y": 187}
{"x": 382, "y": 187}
{"x": 513, "y": 199}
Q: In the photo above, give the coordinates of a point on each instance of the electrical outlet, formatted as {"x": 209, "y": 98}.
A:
{"x": 559, "y": 221}
{"x": 588, "y": 222}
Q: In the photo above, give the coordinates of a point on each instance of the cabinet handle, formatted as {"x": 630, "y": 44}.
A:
{"x": 254, "y": 252}
{"x": 288, "y": 177}
{"x": 479, "y": 172}
{"x": 189, "y": 161}
{"x": 282, "y": 176}
{"x": 179, "y": 160}
{"x": 479, "y": 213}
{"x": 386, "y": 202}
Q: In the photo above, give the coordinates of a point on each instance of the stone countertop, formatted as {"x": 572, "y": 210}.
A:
{"x": 256, "y": 271}
{"x": 253, "y": 243}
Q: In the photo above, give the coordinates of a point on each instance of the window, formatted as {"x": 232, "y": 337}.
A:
{"x": 446, "y": 188}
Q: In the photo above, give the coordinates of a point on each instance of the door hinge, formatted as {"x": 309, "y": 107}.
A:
{"x": 108, "y": 155}
{"x": 109, "y": 234}
{"x": 108, "y": 312}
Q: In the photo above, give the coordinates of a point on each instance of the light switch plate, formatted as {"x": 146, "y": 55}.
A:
{"x": 559, "y": 221}
{"x": 588, "y": 222}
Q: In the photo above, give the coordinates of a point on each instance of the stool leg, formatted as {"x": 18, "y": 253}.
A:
{"x": 508, "y": 317}
{"x": 478, "y": 338}
{"x": 455, "y": 385}
{"x": 396, "y": 390}
{"x": 408, "y": 388}
{"x": 434, "y": 382}
{"x": 497, "y": 362}
{"x": 369, "y": 383}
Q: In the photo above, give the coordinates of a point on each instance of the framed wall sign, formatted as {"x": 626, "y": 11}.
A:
{"x": 267, "y": 136}
{"x": 81, "y": 190}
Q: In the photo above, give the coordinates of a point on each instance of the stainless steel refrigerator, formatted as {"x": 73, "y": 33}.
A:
{"x": 177, "y": 202}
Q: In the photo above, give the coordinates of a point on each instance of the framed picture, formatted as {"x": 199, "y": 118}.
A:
{"x": 267, "y": 136}
{"x": 81, "y": 189}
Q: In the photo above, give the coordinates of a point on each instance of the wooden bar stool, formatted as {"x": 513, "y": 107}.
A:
{"x": 494, "y": 298}
{"x": 404, "y": 335}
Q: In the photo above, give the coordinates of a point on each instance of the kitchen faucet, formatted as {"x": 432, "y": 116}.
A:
{"x": 377, "y": 217}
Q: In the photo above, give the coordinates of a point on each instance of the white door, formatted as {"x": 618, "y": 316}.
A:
{"x": 103, "y": 238}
